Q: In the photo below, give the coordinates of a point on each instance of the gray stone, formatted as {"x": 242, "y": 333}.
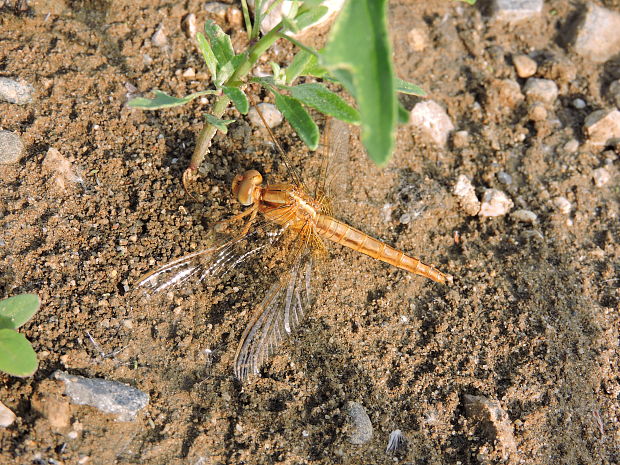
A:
{"x": 272, "y": 115}
{"x": 159, "y": 39}
{"x": 597, "y": 34}
{"x": 495, "y": 203}
{"x": 14, "y": 91}
{"x": 504, "y": 178}
{"x": 514, "y": 11}
{"x": 571, "y": 146}
{"x": 107, "y": 396}
{"x": 541, "y": 90}
{"x": 579, "y": 104}
{"x": 614, "y": 92}
{"x": 432, "y": 120}
{"x": 524, "y": 65}
{"x": 602, "y": 127}
{"x": 11, "y": 148}
{"x": 361, "y": 427}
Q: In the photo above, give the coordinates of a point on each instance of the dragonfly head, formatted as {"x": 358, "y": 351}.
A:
{"x": 244, "y": 186}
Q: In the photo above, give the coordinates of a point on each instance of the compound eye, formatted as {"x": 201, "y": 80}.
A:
{"x": 244, "y": 185}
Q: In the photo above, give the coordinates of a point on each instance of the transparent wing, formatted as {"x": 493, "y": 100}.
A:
{"x": 334, "y": 179}
{"x": 276, "y": 317}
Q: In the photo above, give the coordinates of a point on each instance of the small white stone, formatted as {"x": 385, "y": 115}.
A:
{"x": 7, "y": 417}
{"x": 603, "y": 127}
{"x": 11, "y": 148}
{"x": 601, "y": 177}
{"x": 571, "y": 146}
{"x": 541, "y": 90}
{"x": 432, "y": 120}
{"x": 17, "y": 92}
{"x": 466, "y": 193}
{"x": 159, "y": 39}
{"x": 417, "y": 38}
{"x": 272, "y": 115}
{"x": 614, "y": 92}
{"x": 189, "y": 73}
{"x": 361, "y": 427}
{"x": 504, "y": 178}
{"x": 526, "y": 216}
{"x": 525, "y": 66}
{"x": 495, "y": 203}
{"x": 217, "y": 9}
{"x": 189, "y": 25}
{"x": 562, "y": 204}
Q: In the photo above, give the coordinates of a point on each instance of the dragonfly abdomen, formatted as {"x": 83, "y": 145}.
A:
{"x": 343, "y": 234}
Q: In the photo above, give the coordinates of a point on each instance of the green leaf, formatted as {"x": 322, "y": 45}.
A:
{"x": 220, "y": 42}
{"x": 310, "y": 16}
{"x": 405, "y": 87}
{"x": 319, "y": 97}
{"x": 238, "y": 98}
{"x": 299, "y": 118}
{"x": 208, "y": 54}
{"x": 17, "y": 357}
{"x": 221, "y": 124}
{"x": 313, "y": 68}
{"x": 471, "y": 2}
{"x": 227, "y": 69}
{"x": 163, "y": 100}
{"x": 17, "y": 310}
{"x": 300, "y": 61}
{"x": 358, "y": 54}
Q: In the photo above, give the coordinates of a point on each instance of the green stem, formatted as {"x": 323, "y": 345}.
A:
{"x": 203, "y": 142}
{"x": 310, "y": 50}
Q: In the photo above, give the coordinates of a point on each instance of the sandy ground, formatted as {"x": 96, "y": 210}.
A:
{"x": 531, "y": 321}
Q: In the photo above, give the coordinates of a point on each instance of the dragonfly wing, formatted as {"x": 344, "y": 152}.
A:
{"x": 209, "y": 264}
{"x": 276, "y": 317}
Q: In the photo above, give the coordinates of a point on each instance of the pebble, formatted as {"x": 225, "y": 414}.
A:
{"x": 417, "y": 38}
{"x": 495, "y": 422}
{"x": 64, "y": 173}
{"x": 270, "y": 112}
{"x": 460, "y": 139}
{"x": 466, "y": 193}
{"x": 537, "y": 112}
{"x": 504, "y": 178}
{"x": 7, "y": 417}
{"x": 525, "y": 216}
{"x": 597, "y": 35}
{"x": 541, "y": 90}
{"x": 11, "y": 148}
{"x": 602, "y": 127}
{"x": 512, "y": 11}
{"x": 432, "y": 120}
{"x": 562, "y": 204}
{"x": 189, "y": 73}
{"x": 218, "y": 9}
{"x": 188, "y": 24}
{"x": 571, "y": 146}
{"x": 159, "y": 39}
{"x": 601, "y": 177}
{"x": 495, "y": 203}
{"x": 508, "y": 92}
{"x": 108, "y": 396}
{"x": 14, "y": 91}
{"x": 614, "y": 92}
{"x": 361, "y": 427}
{"x": 579, "y": 104}
{"x": 524, "y": 65}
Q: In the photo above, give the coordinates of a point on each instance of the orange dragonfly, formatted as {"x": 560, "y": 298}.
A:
{"x": 289, "y": 227}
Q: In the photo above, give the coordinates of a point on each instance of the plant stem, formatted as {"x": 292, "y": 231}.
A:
{"x": 203, "y": 142}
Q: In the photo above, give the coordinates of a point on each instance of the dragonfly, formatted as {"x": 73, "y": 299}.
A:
{"x": 289, "y": 227}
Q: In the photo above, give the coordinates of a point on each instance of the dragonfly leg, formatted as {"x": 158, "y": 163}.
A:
{"x": 223, "y": 224}
{"x": 249, "y": 222}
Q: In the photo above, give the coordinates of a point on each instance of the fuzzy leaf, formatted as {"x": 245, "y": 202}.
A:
{"x": 163, "y": 100}
{"x": 310, "y": 16}
{"x": 358, "y": 54}
{"x": 220, "y": 42}
{"x": 321, "y": 98}
{"x": 405, "y": 87}
{"x": 299, "y": 118}
{"x": 208, "y": 55}
{"x": 220, "y": 124}
{"x": 238, "y": 98}
{"x": 17, "y": 357}
{"x": 17, "y": 310}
